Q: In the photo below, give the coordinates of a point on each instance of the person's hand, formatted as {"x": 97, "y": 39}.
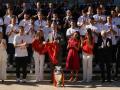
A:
{"x": 44, "y": 42}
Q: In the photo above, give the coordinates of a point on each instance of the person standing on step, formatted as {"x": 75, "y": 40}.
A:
{"x": 3, "y": 58}
{"x": 21, "y": 54}
{"x": 38, "y": 55}
{"x": 87, "y": 50}
{"x": 73, "y": 58}
{"x": 11, "y": 31}
{"x": 105, "y": 56}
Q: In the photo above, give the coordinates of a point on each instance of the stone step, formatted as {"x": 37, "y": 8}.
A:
{"x": 12, "y": 76}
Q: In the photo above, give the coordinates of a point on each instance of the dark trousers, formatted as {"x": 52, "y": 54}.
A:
{"x": 105, "y": 64}
{"x": 117, "y": 61}
{"x": 105, "y": 68}
{"x": 21, "y": 63}
{"x": 30, "y": 53}
{"x": 11, "y": 52}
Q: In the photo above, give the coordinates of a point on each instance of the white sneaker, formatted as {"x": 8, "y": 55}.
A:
{"x": 24, "y": 81}
{"x": 88, "y": 81}
{"x": 17, "y": 80}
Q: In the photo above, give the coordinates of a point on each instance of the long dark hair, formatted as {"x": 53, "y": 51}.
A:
{"x": 41, "y": 38}
{"x": 89, "y": 36}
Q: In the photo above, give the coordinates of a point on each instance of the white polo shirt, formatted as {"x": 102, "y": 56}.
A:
{"x": 97, "y": 17}
{"x": 26, "y": 24}
{"x": 93, "y": 28}
{"x": 7, "y": 19}
{"x": 70, "y": 31}
{"x": 39, "y": 23}
{"x": 8, "y": 29}
{"x": 1, "y": 23}
{"x": 100, "y": 27}
{"x": 116, "y": 20}
{"x": 107, "y": 27}
{"x": 81, "y": 19}
{"x": 19, "y": 51}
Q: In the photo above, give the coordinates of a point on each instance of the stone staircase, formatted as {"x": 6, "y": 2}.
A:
{"x": 47, "y": 72}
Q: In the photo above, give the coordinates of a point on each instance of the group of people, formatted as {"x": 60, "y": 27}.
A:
{"x": 79, "y": 35}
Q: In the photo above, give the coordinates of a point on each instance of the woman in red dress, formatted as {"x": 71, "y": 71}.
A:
{"x": 73, "y": 57}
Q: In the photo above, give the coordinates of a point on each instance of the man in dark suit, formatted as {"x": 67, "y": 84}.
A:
{"x": 105, "y": 56}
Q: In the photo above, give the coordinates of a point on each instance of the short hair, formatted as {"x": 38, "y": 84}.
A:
{"x": 13, "y": 17}
{"x": 21, "y": 27}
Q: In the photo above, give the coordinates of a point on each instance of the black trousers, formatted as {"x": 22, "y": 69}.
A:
{"x": 30, "y": 53}
{"x": 11, "y": 52}
{"x": 21, "y": 63}
{"x": 105, "y": 68}
{"x": 105, "y": 64}
{"x": 117, "y": 61}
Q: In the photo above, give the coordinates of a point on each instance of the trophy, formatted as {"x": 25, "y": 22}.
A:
{"x": 58, "y": 76}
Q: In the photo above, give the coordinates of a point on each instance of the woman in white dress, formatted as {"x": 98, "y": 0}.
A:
{"x": 3, "y": 58}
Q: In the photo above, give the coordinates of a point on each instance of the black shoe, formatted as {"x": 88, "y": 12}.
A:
{"x": 109, "y": 81}
{"x": 103, "y": 81}
{"x": 3, "y": 81}
{"x": 116, "y": 78}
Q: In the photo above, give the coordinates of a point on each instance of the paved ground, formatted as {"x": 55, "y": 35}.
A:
{"x": 45, "y": 85}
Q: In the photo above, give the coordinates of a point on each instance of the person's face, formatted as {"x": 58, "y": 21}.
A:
{"x": 48, "y": 23}
{"x": 99, "y": 11}
{"x": 50, "y": 5}
{"x": 38, "y": 5}
{"x": 54, "y": 27}
{"x": 10, "y": 11}
{"x": 13, "y": 20}
{"x": 40, "y": 16}
{"x": 72, "y": 24}
{"x": 26, "y": 16}
{"x": 109, "y": 19}
{"x": 21, "y": 31}
{"x": 112, "y": 13}
{"x": 68, "y": 13}
{"x": 55, "y": 16}
{"x": 31, "y": 21}
{"x": 90, "y": 10}
{"x": 90, "y": 21}
{"x": 75, "y": 35}
{"x": 24, "y": 5}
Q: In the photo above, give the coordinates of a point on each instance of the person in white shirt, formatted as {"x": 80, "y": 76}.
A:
{"x": 112, "y": 29}
{"x": 1, "y": 24}
{"x": 112, "y": 33}
{"x": 21, "y": 54}
{"x": 99, "y": 16}
{"x": 25, "y": 22}
{"x": 47, "y": 29}
{"x": 67, "y": 19}
{"x": 11, "y": 31}
{"x": 7, "y": 17}
{"x": 30, "y": 34}
{"x": 82, "y": 22}
{"x": 91, "y": 25}
{"x": 72, "y": 29}
{"x": 40, "y": 22}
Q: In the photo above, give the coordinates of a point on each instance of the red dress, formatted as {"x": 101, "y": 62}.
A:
{"x": 73, "y": 57}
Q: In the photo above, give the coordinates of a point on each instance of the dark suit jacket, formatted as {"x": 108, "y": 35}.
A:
{"x": 104, "y": 51}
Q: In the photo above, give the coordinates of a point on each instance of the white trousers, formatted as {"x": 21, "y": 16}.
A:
{"x": 87, "y": 67}
{"x": 39, "y": 65}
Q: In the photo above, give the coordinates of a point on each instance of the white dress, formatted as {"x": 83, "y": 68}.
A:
{"x": 3, "y": 61}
